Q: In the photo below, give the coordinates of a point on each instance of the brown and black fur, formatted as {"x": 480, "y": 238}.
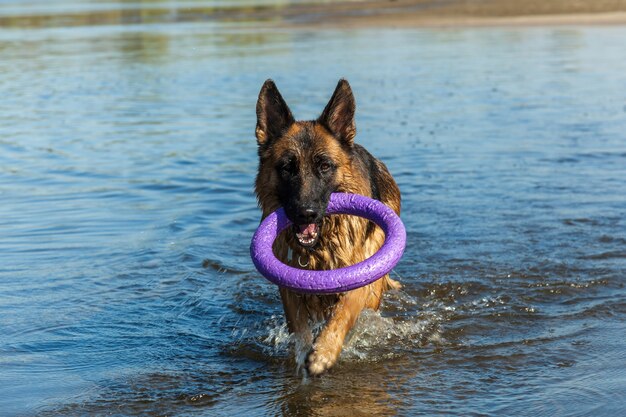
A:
{"x": 300, "y": 164}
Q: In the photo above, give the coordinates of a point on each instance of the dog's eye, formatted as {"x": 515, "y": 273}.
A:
{"x": 325, "y": 166}
{"x": 286, "y": 167}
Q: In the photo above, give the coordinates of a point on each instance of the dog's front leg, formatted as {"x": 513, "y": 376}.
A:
{"x": 328, "y": 344}
{"x": 297, "y": 316}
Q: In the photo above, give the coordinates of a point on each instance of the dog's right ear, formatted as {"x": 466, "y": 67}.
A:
{"x": 338, "y": 116}
{"x": 273, "y": 116}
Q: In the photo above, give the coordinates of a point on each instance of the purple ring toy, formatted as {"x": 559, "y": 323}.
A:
{"x": 336, "y": 280}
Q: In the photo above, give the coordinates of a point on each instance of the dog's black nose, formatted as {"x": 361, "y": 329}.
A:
{"x": 306, "y": 216}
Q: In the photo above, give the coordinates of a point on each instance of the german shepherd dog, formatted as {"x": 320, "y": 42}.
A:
{"x": 300, "y": 164}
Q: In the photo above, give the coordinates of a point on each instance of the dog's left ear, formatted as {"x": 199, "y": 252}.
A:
{"x": 338, "y": 116}
{"x": 273, "y": 114}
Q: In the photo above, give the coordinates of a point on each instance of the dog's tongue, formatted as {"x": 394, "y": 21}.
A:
{"x": 307, "y": 229}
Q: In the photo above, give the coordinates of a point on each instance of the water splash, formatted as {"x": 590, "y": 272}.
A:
{"x": 374, "y": 337}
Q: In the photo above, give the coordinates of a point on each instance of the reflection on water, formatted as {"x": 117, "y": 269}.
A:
{"x": 127, "y": 159}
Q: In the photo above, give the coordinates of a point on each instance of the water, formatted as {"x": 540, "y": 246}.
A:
{"x": 127, "y": 159}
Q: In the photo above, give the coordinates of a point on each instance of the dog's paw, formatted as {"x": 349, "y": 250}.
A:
{"x": 319, "y": 362}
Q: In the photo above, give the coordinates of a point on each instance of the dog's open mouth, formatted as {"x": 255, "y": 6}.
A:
{"x": 307, "y": 234}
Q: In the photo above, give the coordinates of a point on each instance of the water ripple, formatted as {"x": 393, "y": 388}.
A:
{"x": 127, "y": 163}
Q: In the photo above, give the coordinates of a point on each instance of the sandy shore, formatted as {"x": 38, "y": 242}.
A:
{"x": 337, "y": 13}
{"x": 447, "y": 13}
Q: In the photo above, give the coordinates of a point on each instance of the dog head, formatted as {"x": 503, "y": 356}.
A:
{"x": 302, "y": 163}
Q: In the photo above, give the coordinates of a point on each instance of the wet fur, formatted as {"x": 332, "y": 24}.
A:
{"x": 344, "y": 240}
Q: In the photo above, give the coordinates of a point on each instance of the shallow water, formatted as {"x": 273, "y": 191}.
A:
{"x": 127, "y": 159}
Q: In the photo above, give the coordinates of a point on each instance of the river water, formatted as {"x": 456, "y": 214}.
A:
{"x": 127, "y": 161}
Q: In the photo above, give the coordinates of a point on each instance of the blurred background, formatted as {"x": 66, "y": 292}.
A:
{"x": 127, "y": 162}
